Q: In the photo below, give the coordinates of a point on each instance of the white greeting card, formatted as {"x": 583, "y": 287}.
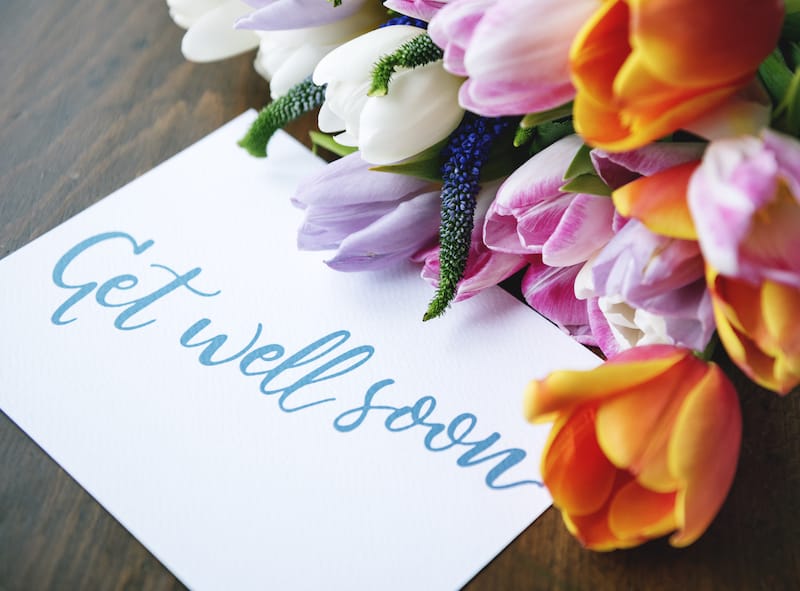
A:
{"x": 256, "y": 419}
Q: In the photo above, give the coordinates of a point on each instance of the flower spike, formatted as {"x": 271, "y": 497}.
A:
{"x": 301, "y": 98}
{"x": 464, "y": 155}
{"x": 412, "y": 54}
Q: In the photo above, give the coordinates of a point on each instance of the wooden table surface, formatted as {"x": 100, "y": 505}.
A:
{"x": 94, "y": 94}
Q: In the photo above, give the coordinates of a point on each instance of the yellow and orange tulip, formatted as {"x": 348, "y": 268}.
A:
{"x": 645, "y": 68}
{"x": 757, "y": 324}
{"x": 644, "y": 445}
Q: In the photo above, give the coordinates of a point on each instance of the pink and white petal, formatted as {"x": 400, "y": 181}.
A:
{"x": 584, "y": 227}
{"x": 550, "y": 291}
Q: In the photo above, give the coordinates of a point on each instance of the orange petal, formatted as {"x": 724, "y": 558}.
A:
{"x": 599, "y": 50}
{"x": 637, "y": 511}
{"x": 659, "y": 201}
{"x": 755, "y": 326}
{"x": 780, "y": 308}
{"x": 563, "y": 390}
{"x": 703, "y": 453}
{"x": 575, "y": 471}
{"x": 732, "y": 36}
{"x": 593, "y": 531}
{"x": 633, "y": 429}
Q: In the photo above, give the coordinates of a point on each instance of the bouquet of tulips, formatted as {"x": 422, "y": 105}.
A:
{"x": 635, "y": 162}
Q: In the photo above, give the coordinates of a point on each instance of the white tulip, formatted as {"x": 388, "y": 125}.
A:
{"x": 210, "y": 35}
{"x": 420, "y": 109}
{"x": 287, "y": 57}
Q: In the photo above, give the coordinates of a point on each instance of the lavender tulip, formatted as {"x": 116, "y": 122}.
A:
{"x": 372, "y": 219}
{"x": 279, "y": 15}
{"x": 421, "y": 9}
{"x": 650, "y": 289}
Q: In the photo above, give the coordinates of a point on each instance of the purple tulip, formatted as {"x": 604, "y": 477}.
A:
{"x": 515, "y": 52}
{"x": 278, "y": 15}
{"x": 619, "y": 168}
{"x": 421, "y": 9}
{"x": 652, "y": 289}
{"x": 372, "y": 219}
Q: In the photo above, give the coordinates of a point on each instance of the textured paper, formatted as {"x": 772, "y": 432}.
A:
{"x": 256, "y": 419}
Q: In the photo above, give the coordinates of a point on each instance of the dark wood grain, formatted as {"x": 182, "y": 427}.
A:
{"x": 94, "y": 94}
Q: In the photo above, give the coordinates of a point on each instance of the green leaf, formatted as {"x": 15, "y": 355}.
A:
{"x": 587, "y": 183}
{"x": 775, "y": 75}
{"x": 786, "y": 117}
{"x": 549, "y": 133}
{"x": 523, "y": 135}
{"x": 581, "y": 163}
{"x": 791, "y": 27}
{"x": 326, "y": 141}
{"x": 426, "y": 165}
{"x": 534, "y": 119}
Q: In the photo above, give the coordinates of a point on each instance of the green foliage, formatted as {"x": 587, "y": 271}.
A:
{"x": 412, "y": 54}
{"x": 326, "y": 141}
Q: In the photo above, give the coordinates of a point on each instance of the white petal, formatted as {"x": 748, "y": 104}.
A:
{"x": 353, "y": 61}
{"x": 212, "y": 37}
{"x": 420, "y": 110}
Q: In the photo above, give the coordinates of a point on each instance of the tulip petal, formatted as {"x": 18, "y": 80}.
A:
{"x": 638, "y": 512}
{"x": 620, "y": 168}
{"x": 422, "y": 99}
{"x": 703, "y": 453}
{"x": 734, "y": 36}
{"x": 395, "y": 236}
{"x": 593, "y": 531}
{"x": 212, "y": 36}
{"x": 585, "y": 226}
{"x": 659, "y": 201}
{"x": 633, "y": 429}
{"x": 296, "y": 14}
{"x": 574, "y": 468}
{"x": 631, "y": 369}
{"x": 550, "y": 291}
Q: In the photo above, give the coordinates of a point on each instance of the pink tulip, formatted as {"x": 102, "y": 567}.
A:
{"x": 532, "y": 215}
{"x": 551, "y": 292}
{"x": 515, "y": 52}
{"x": 745, "y": 202}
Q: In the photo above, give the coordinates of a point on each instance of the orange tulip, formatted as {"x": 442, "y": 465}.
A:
{"x": 642, "y": 446}
{"x": 645, "y": 68}
{"x": 757, "y": 324}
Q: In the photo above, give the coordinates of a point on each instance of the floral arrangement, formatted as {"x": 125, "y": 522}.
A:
{"x": 635, "y": 162}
